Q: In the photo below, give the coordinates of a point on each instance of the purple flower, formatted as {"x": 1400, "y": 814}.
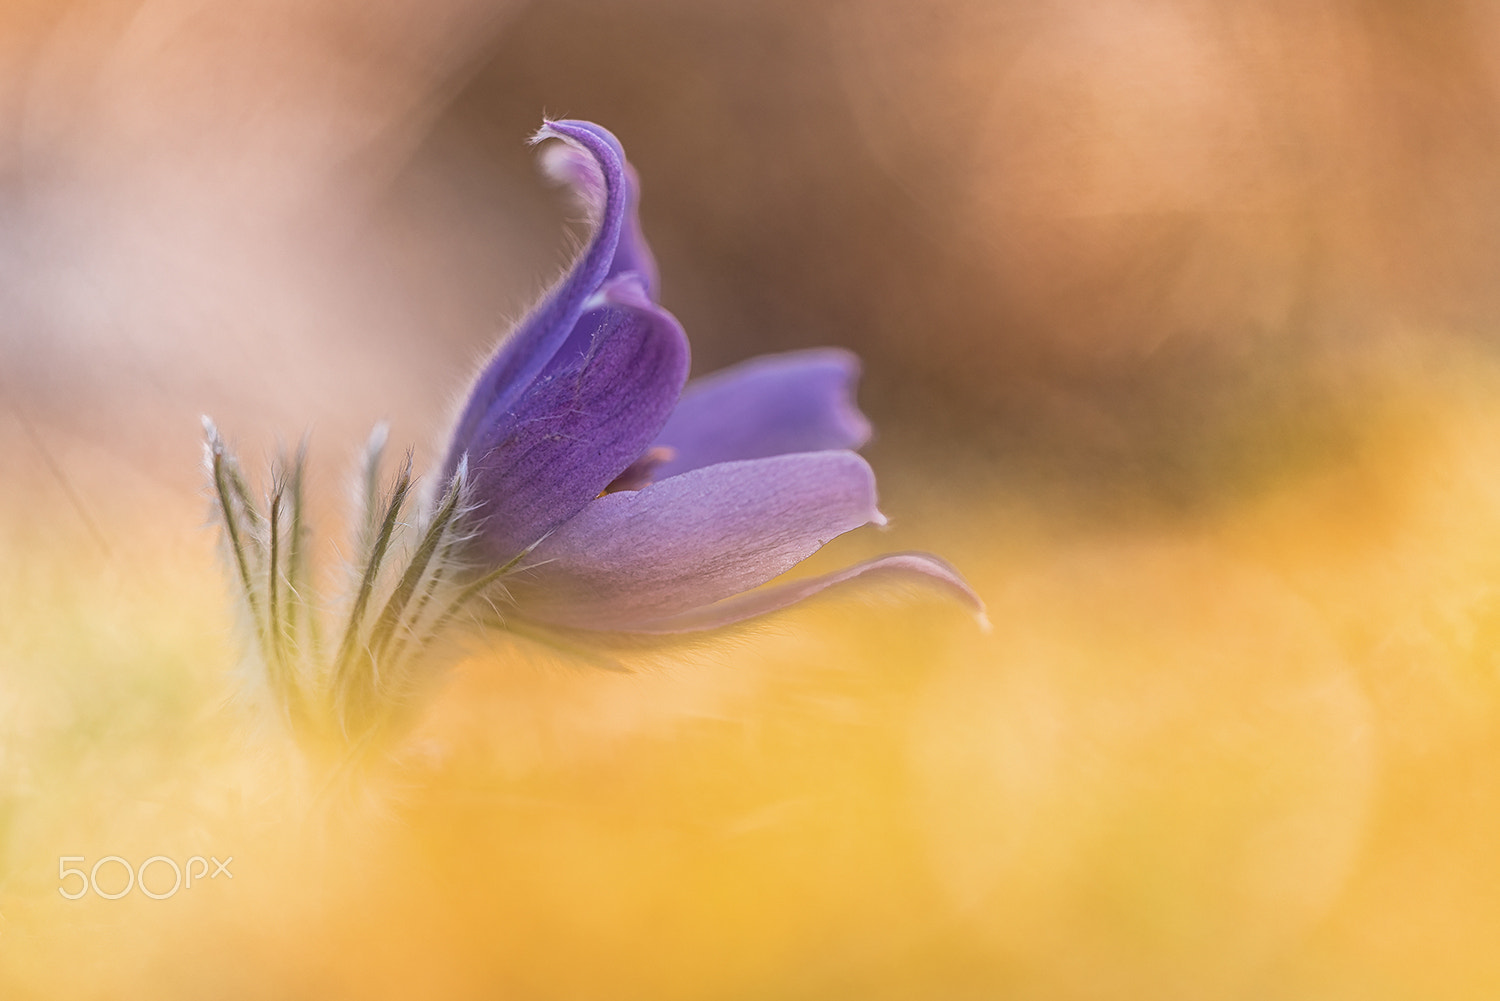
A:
{"x": 611, "y": 498}
{"x": 584, "y": 489}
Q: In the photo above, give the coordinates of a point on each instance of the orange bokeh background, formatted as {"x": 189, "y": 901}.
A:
{"x": 1179, "y": 330}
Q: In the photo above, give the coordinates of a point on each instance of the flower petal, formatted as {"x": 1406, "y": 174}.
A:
{"x": 526, "y": 352}
{"x": 577, "y": 169}
{"x": 577, "y": 428}
{"x": 693, "y": 539}
{"x": 801, "y": 401}
{"x": 900, "y": 568}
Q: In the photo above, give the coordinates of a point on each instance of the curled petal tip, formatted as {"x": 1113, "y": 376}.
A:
{"x": 598, "y": 140}
{"x": 982, "y": 620}
{"x": 547, "y": 131}
{"x": 879, "y": 520}
{"x": 589, "y": 160}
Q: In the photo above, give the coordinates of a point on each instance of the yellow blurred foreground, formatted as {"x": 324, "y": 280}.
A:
{"x": 1251, "y": 752}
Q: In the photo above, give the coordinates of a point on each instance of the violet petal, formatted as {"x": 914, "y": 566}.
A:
{"x": 800, "y": 401}
{"x": 577, "y": 428}
{"x": 526, "y": 352}
{"x": 899, "y": 568}
{"x": 693, "y": 539}
{"x": 580, "y": 171}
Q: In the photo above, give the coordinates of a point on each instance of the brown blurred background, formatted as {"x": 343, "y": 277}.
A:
{"x": 1125, "y": 247}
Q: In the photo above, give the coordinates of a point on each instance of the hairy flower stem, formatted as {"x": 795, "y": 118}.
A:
{"x": 342, "y": 710}
{"x": 395, "y": 607}
{"x": 301, "y": 617}
{"x": 233, "y": 530}
{"x": 353, "y": 688}
{"x": 273, "y": 615}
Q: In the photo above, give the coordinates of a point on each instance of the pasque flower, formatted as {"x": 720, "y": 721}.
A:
{"x": 584, "y": 491}
{"x": 622, "y": 502}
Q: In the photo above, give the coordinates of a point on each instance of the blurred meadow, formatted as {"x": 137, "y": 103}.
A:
{"x": 1181, "y": 330}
